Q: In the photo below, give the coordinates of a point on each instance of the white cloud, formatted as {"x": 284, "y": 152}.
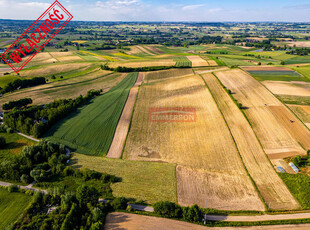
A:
{"x": 116, "y": 4}
{"x": 192, "y": 7}
{"x": 35, "y": 4}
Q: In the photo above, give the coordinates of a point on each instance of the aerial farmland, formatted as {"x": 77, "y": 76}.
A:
{"x": 197, "y": 122}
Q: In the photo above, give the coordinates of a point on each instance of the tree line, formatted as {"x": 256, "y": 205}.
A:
{"x": 22, "y": 83}
{"x": 17, "y": 104}
{"x": 36, "y": 120}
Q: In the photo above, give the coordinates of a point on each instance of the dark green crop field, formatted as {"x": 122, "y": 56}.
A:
{"x": 11, "y": 206}
{"x": 90, "y": 129}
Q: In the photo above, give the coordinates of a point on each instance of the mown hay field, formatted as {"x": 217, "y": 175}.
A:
{"x": 288, "y": 88}
{"x": 209, "y": 166}
{"x": 143, "y": 63}
{"x": 198, "y": 61}
{"x": 141, "y": 180}
{"x": 48, "y": 70}
{"x": 70, "y": 88}
{"x": 90, "y": 129}
{"x": 12, "y": 206}
{"x": 271, "y": 187}
{"x": 274, "y": 137}
{"x": 303, "y": 112}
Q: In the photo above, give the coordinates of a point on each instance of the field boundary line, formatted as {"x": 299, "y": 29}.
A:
{"x": 259, "y": 139}
{"x": 252, "y": 180}
{"x": 123, "y": 118}
{"x": 284, "y": 104}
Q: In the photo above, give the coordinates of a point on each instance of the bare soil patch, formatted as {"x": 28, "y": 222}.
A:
{"x": 120, "y": 135}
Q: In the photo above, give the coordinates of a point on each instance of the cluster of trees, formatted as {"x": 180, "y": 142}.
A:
{"x": 299, "y": 51}
{"x": 38, "y": 162}
{"x": 17, "y": 104}
{"x": 138, "y": 69}
{"x": 38, "y": 119}
{"x": 22, "y": 83}
{"x": 171, "y": 210}
{"x": 79, "y": 210}
{"x": 302, "y": 161}
{"x": 74, "y": 211}
{"x": 5, "y": 129}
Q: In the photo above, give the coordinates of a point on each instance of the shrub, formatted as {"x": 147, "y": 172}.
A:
{"x": 68, "y": 171}
{"x": 168, "y": 209}
{"x": 25, "y": 179}
{"x": 13, "y": 188}
{"x": 192, "y": 214}
{"x": 17, "y": 104}
{"x": 9, "y": 130}
{"x": 90, "y": 174}
{"x": 119, "y": 203}
{"x": 2, "y": 142}
{"x": 129, "y": 208}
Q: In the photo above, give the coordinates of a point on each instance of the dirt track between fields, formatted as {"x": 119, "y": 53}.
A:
{"x": 120, "y": 135}
{"x": 118, "y": 220}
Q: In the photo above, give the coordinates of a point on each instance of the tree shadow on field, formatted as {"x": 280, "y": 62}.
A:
{"x": 114, "y": 220}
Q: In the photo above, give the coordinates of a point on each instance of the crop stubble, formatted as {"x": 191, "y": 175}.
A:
{"x": 271, "y": 187}
{"x": 209, "y": 166}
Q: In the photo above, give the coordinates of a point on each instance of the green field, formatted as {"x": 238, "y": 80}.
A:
{"x": 90, "y": 129}
{"x": 15, "y": 144}
{"x": 277, "y": 76}
{"x": 298, "y": 184}
{"x": 12, "y": 206}
{"x": 304, "y": 70}
{"x": 235, "y": 62}
{"x": 6, "y": 79}
{"x": 182, "y": 62}
{"x": 150, "y": 181}
{"x": 294, "y": 100}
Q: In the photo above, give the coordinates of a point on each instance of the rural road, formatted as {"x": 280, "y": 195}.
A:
{"x": 209, "y": 217}
{"x": 258, "y": 218}
{"x": 28, "y": 187}
{"x": 29, "y": 137}
{"x": 121, "y": 131}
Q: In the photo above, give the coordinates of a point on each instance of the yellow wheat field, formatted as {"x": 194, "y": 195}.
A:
{"x": 197, "y": 61}
{"x": 270, "y": 185}
{"x": 274, "y": 137}
{"x": 209, "y": 166}
{"x": 136, "y": 64}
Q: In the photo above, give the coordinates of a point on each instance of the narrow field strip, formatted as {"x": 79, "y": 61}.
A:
{"x": 90, "y": 130}
{"x": 119, "y": 139}
{"x": 197, "y": 61}
{"x": 209, "y": 166}
{"x": 70, "y": 88}
{"x": 270, "y": 185}
{"x": 257, "y": 102}
{"x": 145, "y": 50}
{"x": 182, "y": 62}
{"x": 98, "y": 55}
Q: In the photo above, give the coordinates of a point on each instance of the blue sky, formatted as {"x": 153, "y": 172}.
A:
{"x": 165, "y": 10}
